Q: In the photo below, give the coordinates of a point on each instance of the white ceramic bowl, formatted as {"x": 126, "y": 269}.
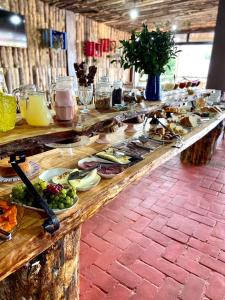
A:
{"x": 49, "y": 174}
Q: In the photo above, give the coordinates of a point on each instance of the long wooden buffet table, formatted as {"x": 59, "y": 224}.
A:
{"x": 36, "y": 265}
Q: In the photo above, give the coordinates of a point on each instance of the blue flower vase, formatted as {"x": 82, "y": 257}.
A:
{"x": 153, "y": 88}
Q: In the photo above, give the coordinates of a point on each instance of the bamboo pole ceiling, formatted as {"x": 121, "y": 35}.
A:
{"x": 186, "y": 14}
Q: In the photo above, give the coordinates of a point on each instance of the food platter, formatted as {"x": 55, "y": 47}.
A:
{"x": 91, "y": 185}
{"x": 34, "y": 170}
{"x": 50, "y": 173}
{"x": 162, "y": 140}
{"x": 56, "y": 211}
{"x": 115, "y": 156}
{"x": 61, "y": 175}
{"x": 105, "y": 168}
{"x": 19, "y": 216}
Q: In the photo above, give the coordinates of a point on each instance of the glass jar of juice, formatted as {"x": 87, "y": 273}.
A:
{"x": 64, "y": 97}
{"x": 37, "y": 112}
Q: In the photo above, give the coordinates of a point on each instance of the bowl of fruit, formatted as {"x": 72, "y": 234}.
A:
{"x": 58, "y": 197}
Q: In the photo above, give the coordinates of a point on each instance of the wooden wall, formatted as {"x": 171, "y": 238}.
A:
{"x": 87, "y": 29}
{"x": 41, "y": 65}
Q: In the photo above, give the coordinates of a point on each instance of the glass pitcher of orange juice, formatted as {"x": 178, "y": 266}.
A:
{"x": 37, "y": 112}
{"x": 22, "y": 95}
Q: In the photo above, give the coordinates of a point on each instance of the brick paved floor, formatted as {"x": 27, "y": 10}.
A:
{"x": 162, "y": 238}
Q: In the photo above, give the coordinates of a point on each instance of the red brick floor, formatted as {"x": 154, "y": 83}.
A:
{"x": 162, "y": 238}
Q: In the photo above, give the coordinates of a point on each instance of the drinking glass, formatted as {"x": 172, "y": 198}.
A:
{"x": 85, "y": 96}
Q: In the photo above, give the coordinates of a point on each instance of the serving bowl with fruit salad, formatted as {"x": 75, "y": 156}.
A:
{"x": 59, "y": 197}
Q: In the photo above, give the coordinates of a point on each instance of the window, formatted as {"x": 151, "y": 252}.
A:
{"x": 193, "y": 62}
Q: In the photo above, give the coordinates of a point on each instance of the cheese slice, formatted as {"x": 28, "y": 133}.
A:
{"x": 109, "y": 155}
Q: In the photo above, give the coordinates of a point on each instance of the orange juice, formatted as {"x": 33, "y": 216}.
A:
{"x": 37, "y": 113}
{"x": 23, "y": 107}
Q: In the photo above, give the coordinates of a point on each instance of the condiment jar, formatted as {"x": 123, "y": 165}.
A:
{"x": 117, "y": 92}
{"x": 103, "y": 94}
{"x": 65, "y": 98}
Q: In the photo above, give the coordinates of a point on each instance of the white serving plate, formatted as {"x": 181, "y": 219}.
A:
{"x": 49, "y": 174}
{"x": 98, "y": 159}
{"x": 56, "y": 211}
{"x": 92, "y": 158}
{"x": 90, "y": 186}
{"x": 108, "y": 176}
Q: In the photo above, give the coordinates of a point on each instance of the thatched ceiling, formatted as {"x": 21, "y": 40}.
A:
{"x": 186, "y": 14}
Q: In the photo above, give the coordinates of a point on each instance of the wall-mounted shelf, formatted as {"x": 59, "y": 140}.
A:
{"x": 54, "y": 39}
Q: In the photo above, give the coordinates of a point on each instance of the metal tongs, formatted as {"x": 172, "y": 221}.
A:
{"x": 52, "y": 223}
{"x": 79, "y": 174}
{"x": 5, "y": 235}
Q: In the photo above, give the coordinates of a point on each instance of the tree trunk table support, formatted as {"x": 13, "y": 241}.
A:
{"x": 52, "y": 275}
{"x": 202, "y": 151}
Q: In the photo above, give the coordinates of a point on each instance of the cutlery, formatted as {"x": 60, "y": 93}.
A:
{"x": 5, "y": 235}
{"x": 79, "y": 174}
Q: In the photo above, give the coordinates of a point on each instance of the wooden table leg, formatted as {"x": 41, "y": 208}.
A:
{"x": 202, "y": 151}
{"x": 53, "y": 275}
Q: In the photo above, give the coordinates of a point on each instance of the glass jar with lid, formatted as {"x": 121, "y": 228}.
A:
{"x": 64, "y": 97}
{"x": 117, "y": 93}
{"x": 103, "y": 94}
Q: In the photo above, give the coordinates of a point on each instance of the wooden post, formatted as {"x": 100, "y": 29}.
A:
{"x": 217, "y": 64}
{"x": 202, "y": 151}
{"x": 71, "y": 38}
{"x": 52, "y": 275}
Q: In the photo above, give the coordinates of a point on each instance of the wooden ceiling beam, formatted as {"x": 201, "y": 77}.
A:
{"x": 188, "y": 14}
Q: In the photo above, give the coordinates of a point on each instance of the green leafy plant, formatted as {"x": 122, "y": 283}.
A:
{"x": 148, "y": 51}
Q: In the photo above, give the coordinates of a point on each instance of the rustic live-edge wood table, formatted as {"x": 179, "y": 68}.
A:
{"x": 35, "y": 265}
